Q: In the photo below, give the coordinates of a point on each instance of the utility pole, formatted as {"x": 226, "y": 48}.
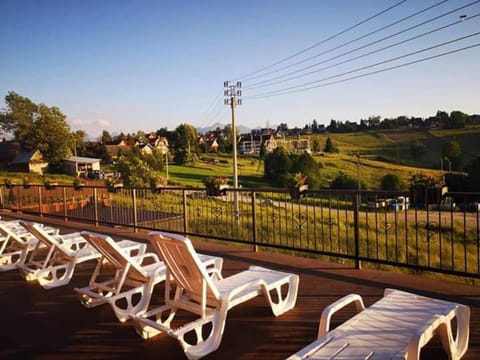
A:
{"x": 166, "y": 162}
{"x": 358, "y": 171}
{"x": 232, "y": 95}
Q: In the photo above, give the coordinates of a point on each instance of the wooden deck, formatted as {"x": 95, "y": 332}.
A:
{"x": 51, "y": 324}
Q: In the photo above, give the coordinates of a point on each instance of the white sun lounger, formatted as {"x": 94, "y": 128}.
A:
{"x": 198, "y": 293}
{"x": 53, "y": 265}
{"x": 132, "y": 275}
{"x": 15, "y": 243}
{"x": 395, "y": 327}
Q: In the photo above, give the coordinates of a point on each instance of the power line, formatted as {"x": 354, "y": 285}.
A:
{"x": 212, "y": 109}
{"x": 286, "y": 91}
{"x": 351, "y": 41}
{"x": 211, "y": 120}
{"x": 247, "y": 76}
{"x": 273, "y": 82}
{"x": 215, "y": 100}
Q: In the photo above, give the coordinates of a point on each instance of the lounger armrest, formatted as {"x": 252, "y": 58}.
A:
{"x": 249, "y": 285}
{"x": 73, "y": 237}
{"x": 72, "y": 243}
{"x": 139, "y": 259}
{"x": 324, "y": 326}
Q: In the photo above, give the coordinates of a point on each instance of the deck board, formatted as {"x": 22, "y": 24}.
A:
{"x": 51, "y": 324}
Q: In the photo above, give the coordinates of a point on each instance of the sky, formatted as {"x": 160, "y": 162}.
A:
{"x": 124, "y": 66}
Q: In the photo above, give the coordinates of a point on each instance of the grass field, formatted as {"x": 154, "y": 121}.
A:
{"x": 359, "y": 156}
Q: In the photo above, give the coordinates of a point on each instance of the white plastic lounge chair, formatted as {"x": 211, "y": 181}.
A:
{"x": 395, "y": 327}
{"x": 133, "y": 275}
{"x": 200, "y": 294}
{"x": 54, "y": 265}
{"x": 15, "y": 243}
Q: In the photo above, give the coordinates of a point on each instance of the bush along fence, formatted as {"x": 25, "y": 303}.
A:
{"x": 439, "y": 232}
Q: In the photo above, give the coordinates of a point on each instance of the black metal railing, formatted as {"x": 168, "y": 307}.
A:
{"x": 440, "y": 235}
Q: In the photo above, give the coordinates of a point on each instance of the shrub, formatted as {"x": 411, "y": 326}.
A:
{"x": 456, "y": 182}
{"x": 294, "y": 180}
{"x": 345, "y": 182}
{"x": 329, "y": 147}
{"x": 277, "y": 164}
{"x": 391, "y": 182}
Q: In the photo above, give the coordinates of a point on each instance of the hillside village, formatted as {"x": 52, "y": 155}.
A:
{"x": 144, "y": 156}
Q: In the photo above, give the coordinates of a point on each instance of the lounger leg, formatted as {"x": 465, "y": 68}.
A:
{"x": 203, "y": 347}
{"x": 124, "y": 313}
{"x": 148, "y": 328}
{"x": 286, "y": 303}
{"x": 456, "y": 347}
{"x": 49, "y": 278}
{"x": 11, "y": 260}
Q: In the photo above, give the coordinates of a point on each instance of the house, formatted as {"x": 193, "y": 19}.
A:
{"x": 210, "y": 140}
{"x": 145, "y": 149}
{"x": 299, "y": 146}
{"x": 8, "y": 150}
{"x": 28, "y": 161}
{"x": 253, "y": 143}
{"x": 161, "y": 143}
{"x": 81, "y": 166}
{"x": 114, "y": 149}
{"x": 213, "y": 146}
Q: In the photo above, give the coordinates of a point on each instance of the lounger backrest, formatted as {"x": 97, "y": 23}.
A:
{"x": 184, "y": 264}
{"x": 106, "y": 246}
{"x": 37, "y": 231}
{"x": 7, "y": 233}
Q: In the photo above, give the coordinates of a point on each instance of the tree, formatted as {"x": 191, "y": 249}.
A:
{"x": 19, "y": 115}
{"x": 106, "y": 137}
{"x": 316, "y": 145}
{"x": 140, "y": 136}
{"x": 277, "y": 164}
{"x": 37, "y": 127}
{"x": 457, "y": 120}
{"x": 187, "y": 138}
{"x": 329, "y": 147}
{"x": 306, "y": 164}
{"x": 456, "y": 182}
{"x": 78, "y": 143}
{"x": 442, "y": 117}
{"x": 263, "y": 151}
{"x": 345, "y": 182}
{"x": 182, "y": 157}
{"x": 134, "y": 171}
{"x": 50, "y": 134}
{"x": 97, "y": 150}
{"x": 282, "y": 127}
{"x": 473, "y": 171}
{"x": 451, "y": 149}
{"x": 391, "y": 182}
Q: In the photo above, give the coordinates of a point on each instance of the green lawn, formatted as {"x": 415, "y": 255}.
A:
{"x": 250, "y": 171}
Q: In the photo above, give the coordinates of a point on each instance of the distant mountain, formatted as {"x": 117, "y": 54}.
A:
{"x": 241, "y": 128}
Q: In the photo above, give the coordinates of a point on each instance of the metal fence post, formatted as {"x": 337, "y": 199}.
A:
{"x": 134, "y": 201}
{"x": 185, "y": 217}
{"x": 356, "y": 205}
{"x": 65, "y": 214}
{"x": 95, "y": 206}
{"x": 19, "y": 202}
{"x": 254, "y": 222}
{"x": 40, "y": 202}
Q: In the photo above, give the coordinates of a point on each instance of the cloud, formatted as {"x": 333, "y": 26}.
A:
{"x": 104, "y": 123}
{"x": 93, "y": 123}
